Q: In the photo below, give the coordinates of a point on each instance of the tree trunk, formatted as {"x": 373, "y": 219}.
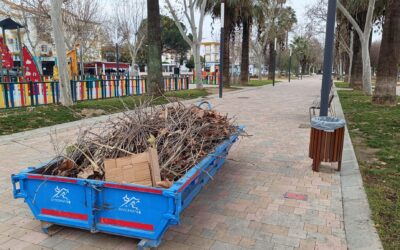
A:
{"x": 197, "y": 65}
{"x": 58, "y": 31}
{"x": 366, "y": 68}
{"x": 356, "y": 81}
{"x": 134, "y": 71}
{"x": 244, "y": 66}
{"x": 271, "y": 60}
{"x": 154, "y": 76}
{"x": 356, "y": 70}
{"x": 351, "y": 55}
{"x": 389, "y": 57}
{"x": 259, "y": 61}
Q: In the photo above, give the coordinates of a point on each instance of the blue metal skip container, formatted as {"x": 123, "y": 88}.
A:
{"x": 121, "y": 209}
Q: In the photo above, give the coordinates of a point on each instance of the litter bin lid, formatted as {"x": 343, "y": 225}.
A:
{"x": 327, "y": 123}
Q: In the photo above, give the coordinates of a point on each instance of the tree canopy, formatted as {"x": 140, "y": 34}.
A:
{"x": 171, "y": 40}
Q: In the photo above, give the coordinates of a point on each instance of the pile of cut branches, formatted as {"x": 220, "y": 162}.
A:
{"x": 182, "y": 136}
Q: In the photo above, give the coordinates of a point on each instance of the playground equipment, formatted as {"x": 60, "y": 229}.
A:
{"x": 9, "y": 24}
{"x": 72, "y": 56}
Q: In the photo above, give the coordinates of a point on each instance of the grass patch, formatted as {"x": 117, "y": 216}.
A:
{"x": 257, "y": 83}
{"x": 375, "y": 132}
{"x": 342, "y": 85}
{"x": 23, "y": 119}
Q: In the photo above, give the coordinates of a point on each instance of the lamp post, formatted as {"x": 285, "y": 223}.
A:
{"x": 329, "y": 41}
{"x": 290, "y": 61}
{"x": 221, "y": 49}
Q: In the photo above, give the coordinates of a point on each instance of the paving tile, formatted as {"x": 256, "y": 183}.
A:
{"x": 242, "y": 208}
{"x": 218, "y": 245}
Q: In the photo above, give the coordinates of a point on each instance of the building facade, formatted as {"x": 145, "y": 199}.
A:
{"x": 211, "y": 55}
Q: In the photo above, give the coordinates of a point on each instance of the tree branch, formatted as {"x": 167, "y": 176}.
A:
{"x": 177, "y": 23}
{"x": 351, "y": 19}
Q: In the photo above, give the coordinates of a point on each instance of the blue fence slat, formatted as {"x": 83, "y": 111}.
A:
{"x": 11, "y": 94}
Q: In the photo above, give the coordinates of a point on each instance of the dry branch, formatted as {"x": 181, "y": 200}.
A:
{"x": 182, "y": 136}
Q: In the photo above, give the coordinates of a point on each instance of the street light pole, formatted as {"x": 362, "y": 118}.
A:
{"x": 290, "y": 61}
{"x": 221, "y": 49}
{"x": 328, "y": 56}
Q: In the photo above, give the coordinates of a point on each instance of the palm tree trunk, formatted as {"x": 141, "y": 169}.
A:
{"x": 356, "y": 80}
{"x": 154, "y": 77}
{"x": 389, "y": 57}
{"x": 244, "y": 66}
{"x": 271, "y": 60}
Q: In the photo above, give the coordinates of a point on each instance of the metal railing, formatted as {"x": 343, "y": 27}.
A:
{"x": 22, "y": 94}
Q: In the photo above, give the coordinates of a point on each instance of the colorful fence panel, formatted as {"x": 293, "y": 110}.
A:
{"x": 177, "y": 83}
{"x": 211, "y": 79}
{"x": 107, "y": 87}
{"x": 22, "y": 94}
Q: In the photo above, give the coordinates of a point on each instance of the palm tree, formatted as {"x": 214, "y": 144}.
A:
{"x": 231, "y": 13}
{"x": 282, "y": 22}
{"x": 247, "y": 11}
{"x": 389, "y": 57}
{"x": 154, "y": 76}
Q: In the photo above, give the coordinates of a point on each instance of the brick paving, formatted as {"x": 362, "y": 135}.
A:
{"x": 242, "y": 208}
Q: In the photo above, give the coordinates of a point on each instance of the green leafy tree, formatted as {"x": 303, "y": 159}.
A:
{"x": 171, "y": 40}
{"x": 307, "y": 51}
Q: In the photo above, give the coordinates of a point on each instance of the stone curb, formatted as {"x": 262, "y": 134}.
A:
{"x": 359, "y": 227}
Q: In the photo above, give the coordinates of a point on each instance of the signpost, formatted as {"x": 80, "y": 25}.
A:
{"x": 221, "y": 49}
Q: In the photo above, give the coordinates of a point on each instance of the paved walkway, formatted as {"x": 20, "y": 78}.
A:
{"x": 244, "y": 207}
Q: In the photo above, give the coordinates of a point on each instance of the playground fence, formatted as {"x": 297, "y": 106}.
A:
{"x": 22, "y": 94}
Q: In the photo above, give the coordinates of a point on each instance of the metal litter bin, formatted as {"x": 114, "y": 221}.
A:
{"x": 326, "y": 140}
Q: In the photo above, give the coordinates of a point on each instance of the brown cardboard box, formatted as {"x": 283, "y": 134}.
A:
{"x": 142, "y": 169}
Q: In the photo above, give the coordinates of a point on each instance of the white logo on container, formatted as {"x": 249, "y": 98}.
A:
{"x": 61, "y": 195}
{"x": 129, "y": 204}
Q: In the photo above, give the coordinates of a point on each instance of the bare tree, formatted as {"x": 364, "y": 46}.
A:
{"x": 364, "y": 36}
{"x": 189, "y": 7}
{"x": 316, "y": 15}
{"x": 58, "y": 31}
{"x": 82, "y": 22}
{"x": 128, "y": 16}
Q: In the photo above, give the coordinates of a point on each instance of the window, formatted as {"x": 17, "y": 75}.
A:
{"x": 43, "y": 48}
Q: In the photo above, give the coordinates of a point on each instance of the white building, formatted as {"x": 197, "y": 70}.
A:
{"x": 211, "y": 55}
